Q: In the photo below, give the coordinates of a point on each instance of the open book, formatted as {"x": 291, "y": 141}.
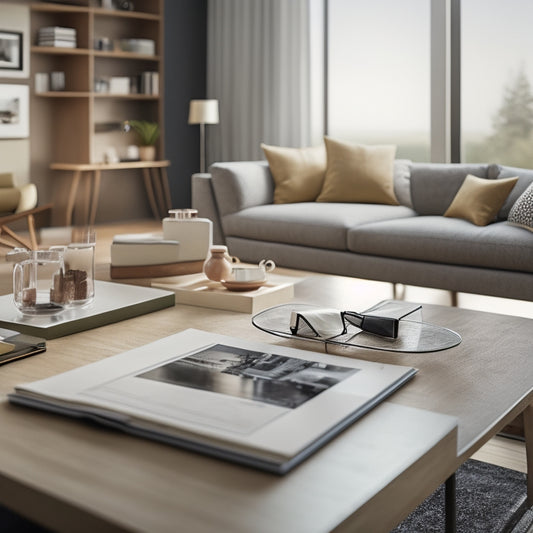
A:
{"x": 261, "y": 405}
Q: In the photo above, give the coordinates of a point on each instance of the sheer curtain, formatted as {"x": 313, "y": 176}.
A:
{"x": 258, "y": 67}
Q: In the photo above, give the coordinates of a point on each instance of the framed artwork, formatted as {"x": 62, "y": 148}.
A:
{"x": 14, "y": 111}
{"x": 10, "y": 50}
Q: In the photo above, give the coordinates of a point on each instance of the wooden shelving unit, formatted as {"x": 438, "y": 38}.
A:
{"x": 69, "y": 116}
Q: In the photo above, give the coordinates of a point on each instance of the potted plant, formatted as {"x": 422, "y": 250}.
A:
{"x": 148, "y": 133}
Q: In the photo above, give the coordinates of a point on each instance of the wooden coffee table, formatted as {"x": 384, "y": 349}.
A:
{"x": 69, "y": 475}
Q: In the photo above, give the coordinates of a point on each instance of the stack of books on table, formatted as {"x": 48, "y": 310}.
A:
{"x": 140, "y": 255}
{"x": 57, "y": 36}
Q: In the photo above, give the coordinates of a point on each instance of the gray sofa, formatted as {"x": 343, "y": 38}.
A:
{"x": 411, "y": 244}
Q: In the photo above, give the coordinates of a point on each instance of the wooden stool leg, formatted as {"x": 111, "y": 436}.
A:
{"x": 86, "y": 198}
{"x": 31, "y": 229}
{"x": 72, "y": 197}
{"x": 17, "y": 238}
{"x": 150, "y": 192}
{"x": 94, "y": 199}
{"x": 154, "y": 172}
{"x": 166, "y": 188}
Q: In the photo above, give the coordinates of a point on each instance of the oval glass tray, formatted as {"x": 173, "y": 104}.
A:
{"x": 413, "y": 336}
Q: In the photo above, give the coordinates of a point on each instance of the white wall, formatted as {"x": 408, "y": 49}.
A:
{"x": 15, "y": 153}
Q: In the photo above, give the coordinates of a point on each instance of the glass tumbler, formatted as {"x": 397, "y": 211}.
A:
{"x": 36, "y": 281}
{"x": 78, "y": 258}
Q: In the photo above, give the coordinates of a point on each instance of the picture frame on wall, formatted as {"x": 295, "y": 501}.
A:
{"x": 14, "y": 111}
{"x": 10, "y": 50}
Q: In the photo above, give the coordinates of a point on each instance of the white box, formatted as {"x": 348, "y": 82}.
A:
{"x": 119, "y": 85}
{"x": 195, "y": 236}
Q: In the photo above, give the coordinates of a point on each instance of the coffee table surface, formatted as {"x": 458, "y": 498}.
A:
{"x": 51, "y": 466}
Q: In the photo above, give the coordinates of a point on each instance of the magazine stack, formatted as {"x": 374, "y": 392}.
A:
{"x": 57, "y": 36}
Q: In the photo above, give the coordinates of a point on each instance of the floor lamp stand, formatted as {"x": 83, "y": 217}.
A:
{"x": 202, "y": 148}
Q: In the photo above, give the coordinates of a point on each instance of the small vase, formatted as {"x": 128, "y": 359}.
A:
{"x": 217, "y": 266}
{"x": 147, "y": 153}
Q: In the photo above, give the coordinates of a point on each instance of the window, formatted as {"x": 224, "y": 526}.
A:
{"x": 379, "y": 74}
{"x": 496, "y": 78}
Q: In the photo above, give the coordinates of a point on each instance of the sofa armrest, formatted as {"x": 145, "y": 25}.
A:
{"x": 203, "y": 199}
{"x": 241, "y": 184}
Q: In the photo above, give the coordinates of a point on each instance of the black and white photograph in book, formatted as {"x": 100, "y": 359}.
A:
{"x": 264, "y": 377}
{"x": 10, "y": 50}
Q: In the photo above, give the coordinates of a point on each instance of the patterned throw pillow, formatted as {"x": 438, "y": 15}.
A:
{"x": 521, "y": 213}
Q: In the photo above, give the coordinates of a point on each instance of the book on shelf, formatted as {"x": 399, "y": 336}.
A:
{"x": 149, "y": 83}
{"x": 260, "y": 405}
{"x": 57, "y": 43}
{"x": 57, "y": 36}
{"x": 58, "y": 30}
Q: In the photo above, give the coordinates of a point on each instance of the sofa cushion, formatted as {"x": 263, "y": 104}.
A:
{"x": 525, "y": 179}
{"x": 6, "y": 179}
{"x": 521, "y": 213}
{"x": 358, "y": 173}
{"x": 443, "y": 240}
{"x": 478, "y": 200}
{"x": 9, "y": 199}
{"x": 321, "y": 225}
{"x": 402, "y": 181}
{"x": 298, "y": 172}
{"x": 434, "y": 185}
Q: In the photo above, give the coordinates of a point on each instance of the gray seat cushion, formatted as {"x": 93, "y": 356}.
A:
{"x": 320, "y": 225}
{"x": 446, "y": 240}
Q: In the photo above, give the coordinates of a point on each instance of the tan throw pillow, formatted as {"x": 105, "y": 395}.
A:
{"x": 298, "y": 172}
{"x": 9, "y": 199}
{"x": 479, "y": 200}
{"x": 6, "y": 179}
{"x": 359, "y": 173}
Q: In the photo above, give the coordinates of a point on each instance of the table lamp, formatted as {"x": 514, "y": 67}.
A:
{"x": 203, "y": 112}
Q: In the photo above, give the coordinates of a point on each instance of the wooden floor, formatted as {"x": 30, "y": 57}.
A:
{"x": 502, "y": 451}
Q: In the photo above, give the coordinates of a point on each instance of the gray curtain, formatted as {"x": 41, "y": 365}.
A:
{"x": 258, "y": 67}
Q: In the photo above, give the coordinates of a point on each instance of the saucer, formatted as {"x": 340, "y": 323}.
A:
{"x": 241, "y": 286}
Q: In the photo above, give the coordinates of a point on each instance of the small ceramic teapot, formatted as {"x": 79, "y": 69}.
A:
{"x": 218, "y": 265}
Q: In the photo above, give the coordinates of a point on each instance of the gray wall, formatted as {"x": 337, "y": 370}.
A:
{"x": 185, "y": 79}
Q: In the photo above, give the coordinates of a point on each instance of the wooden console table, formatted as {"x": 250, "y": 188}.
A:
{"x": 155, "y": 181}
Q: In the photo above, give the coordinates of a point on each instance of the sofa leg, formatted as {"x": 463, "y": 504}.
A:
{"x": 453, "y": 298}
{"x": 398, "y": 291}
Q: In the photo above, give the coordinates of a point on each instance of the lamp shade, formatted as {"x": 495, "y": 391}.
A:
{"x": 203, "y": 112}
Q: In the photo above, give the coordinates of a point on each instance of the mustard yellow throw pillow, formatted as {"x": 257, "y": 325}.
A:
{"x": 479, "y": 200}
{"x": 298, "y": 173}
{"x": 359, "y": 173}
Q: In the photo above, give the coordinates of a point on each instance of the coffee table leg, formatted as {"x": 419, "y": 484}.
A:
{"x": 528, "y": 433}
{"x": 450, "y": 510}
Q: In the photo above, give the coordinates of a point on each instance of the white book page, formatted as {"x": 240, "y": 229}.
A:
{"x": 252, "y": 395}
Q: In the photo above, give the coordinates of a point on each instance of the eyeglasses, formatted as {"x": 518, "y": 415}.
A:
{"x": 330, "y": 324}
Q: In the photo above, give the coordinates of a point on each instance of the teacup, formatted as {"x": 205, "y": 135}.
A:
{"x": 257, "y": 273}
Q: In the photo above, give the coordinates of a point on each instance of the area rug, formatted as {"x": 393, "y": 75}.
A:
{"x": 490, "y": 499}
